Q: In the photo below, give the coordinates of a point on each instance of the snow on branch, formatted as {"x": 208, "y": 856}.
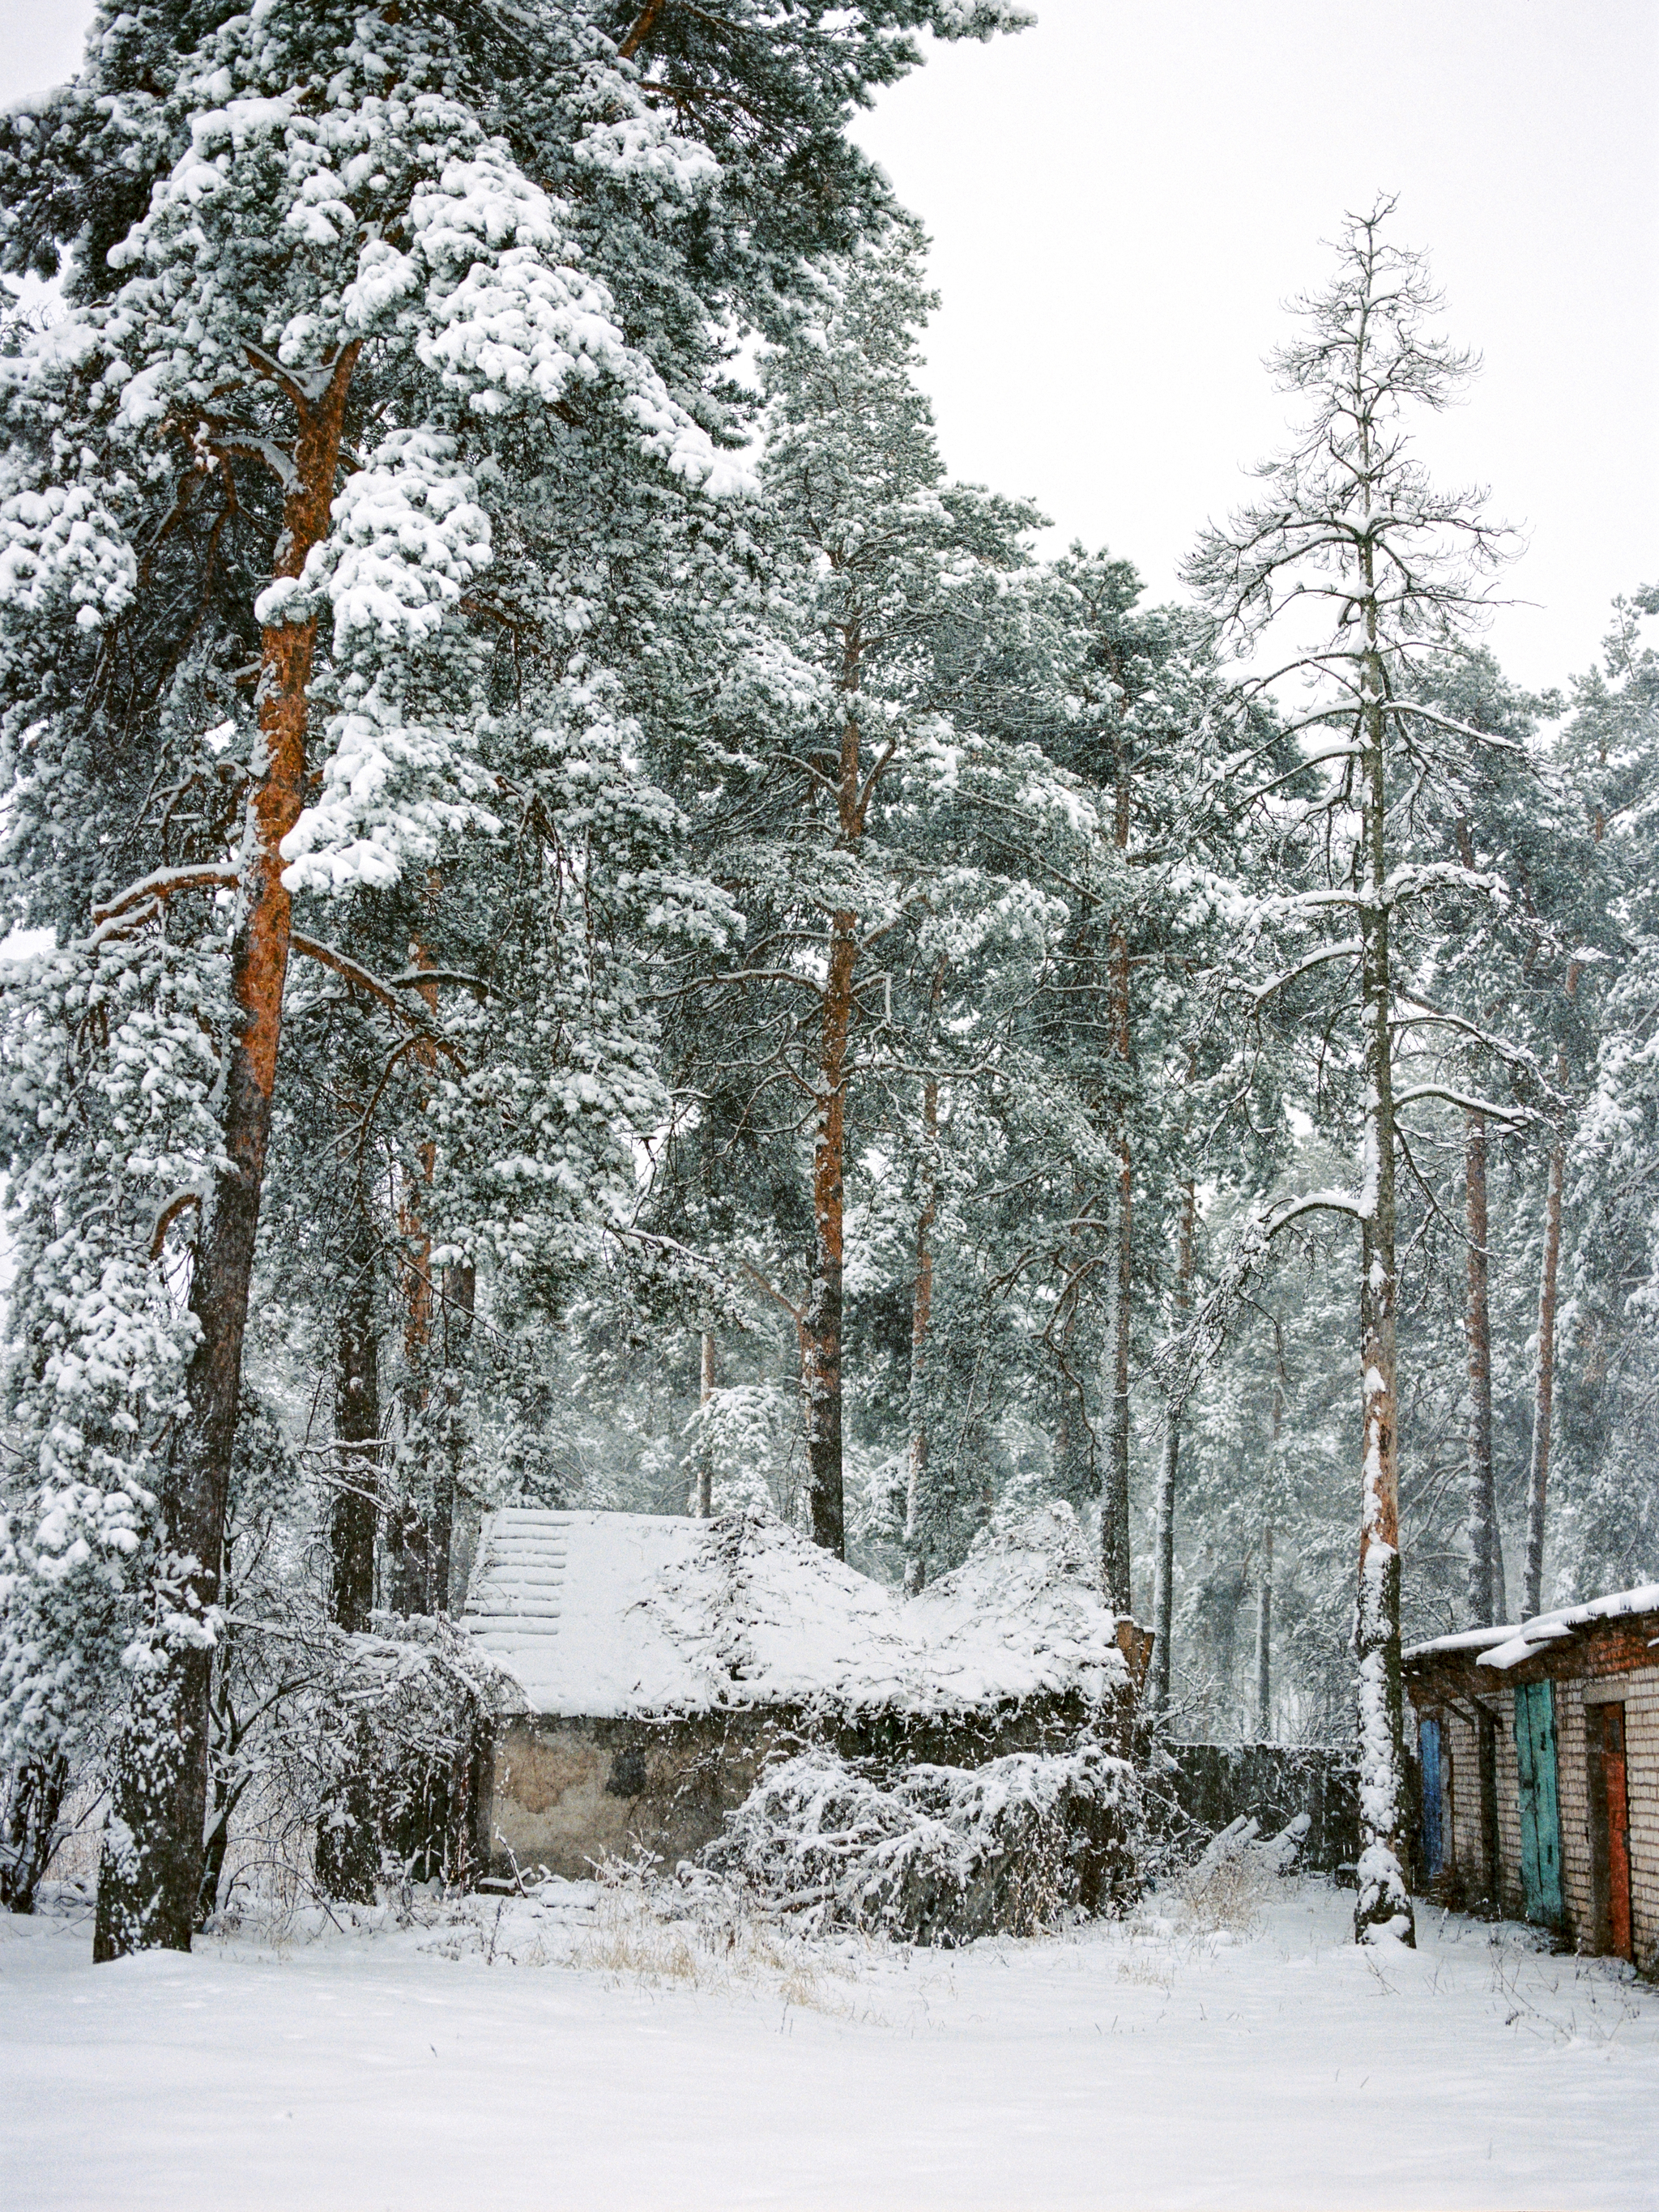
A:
{"x": 363, "y": 979}
{"x": 1457, "y": 729}
{"x": 166, "y": 1214}
{"x": 1349, "y": 949}
{"x": 1515, "y": 1116}
{"x": 1514, "y": 1055}
{"x": 351, "y": 971}
{"x": 161, "y": 885}
{"x": 1418, "y": 877}
{"x": 1176, "y": 1363}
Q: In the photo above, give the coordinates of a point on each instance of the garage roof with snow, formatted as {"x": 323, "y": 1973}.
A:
{"x": 604, "y": 1615}
{"x": 1508, "y": 1646}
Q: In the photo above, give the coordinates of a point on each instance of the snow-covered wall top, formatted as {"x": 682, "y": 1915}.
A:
{"x": 1507, "y": 1647}
{"x": 608, "y": 1614}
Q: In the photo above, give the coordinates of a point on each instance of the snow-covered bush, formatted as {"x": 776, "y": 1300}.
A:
{"x": 370, "y": 1762}
{"x": 939, "y": 1853}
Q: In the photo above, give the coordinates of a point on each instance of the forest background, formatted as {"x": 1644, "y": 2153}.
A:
{"x": 807, "y": 993}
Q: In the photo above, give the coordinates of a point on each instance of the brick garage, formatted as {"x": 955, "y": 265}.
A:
{"x": 1539, "y": 1746}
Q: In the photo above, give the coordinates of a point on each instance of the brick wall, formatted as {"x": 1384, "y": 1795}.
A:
{"x": 1510, "y": 1893}
{"x": 1639, "y": 1690}
{"x": 1604, "y": 1659}
{"x": 1462, "y": 1741}
{"x": 1572, "y": 1795}
{"x": 1642, "y": 1773}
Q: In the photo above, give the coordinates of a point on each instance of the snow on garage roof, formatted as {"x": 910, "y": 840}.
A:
{"x": 606, "y": 1615}
{"x": 1507, "y": 1647}
{"x": 1550, "y": 1627}
{"x": 1466, "y": 1639}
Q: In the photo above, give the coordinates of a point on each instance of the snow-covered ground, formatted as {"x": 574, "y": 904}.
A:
{"x": 573, "y": 2052}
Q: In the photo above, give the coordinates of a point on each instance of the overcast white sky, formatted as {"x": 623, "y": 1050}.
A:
{"x": 1122, "y": 197}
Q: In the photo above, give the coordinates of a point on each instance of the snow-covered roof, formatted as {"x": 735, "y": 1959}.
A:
{"x": 607, "y": 1614}
{"x": 1550, "y": 1627}
{"x": 1466, "y": 1639}
{"x": 1507, "y": 1647}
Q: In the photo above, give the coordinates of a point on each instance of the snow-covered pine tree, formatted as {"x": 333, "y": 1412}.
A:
{"x": 338, "y": 286}
{"x": 1349, "y": 526}
{"x": 1151, "y": 727}
{"x": 823, "y": 824}
{"x": 1607, "y": 1529}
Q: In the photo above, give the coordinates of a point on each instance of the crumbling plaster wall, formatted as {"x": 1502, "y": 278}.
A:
{"x": 564, "y": 1793}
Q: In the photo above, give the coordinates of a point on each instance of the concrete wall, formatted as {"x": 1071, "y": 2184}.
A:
{"x": 1214, "y": 1784}
{"x": 566, "y": 1793}
{"x": 562, "y": 1793}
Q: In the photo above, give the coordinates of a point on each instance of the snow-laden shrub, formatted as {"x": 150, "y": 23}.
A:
{"x": 373, "y": 1754}
{"x": 939, "y": 1853}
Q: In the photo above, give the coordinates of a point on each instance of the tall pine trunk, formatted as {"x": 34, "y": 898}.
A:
{"x": 703, "y": 1502}
{"x": 354, "y": 1511}
{"x": 1264, "y": 1581}
{"x": 821, "y": 1326}
{"x": 1164, "y": 1529}
{"x": 1484, "y": 1554}
{"x": 1114, "y": 1562}
{"x": 1382, "y": 1900}
{"x": 460, "y": 1302}
{"x": 408, "y": 1535}
{"x": 347, "y": 1856}
{"x": 822, "y": 1320}
{"x": 916, "y": 1516}
{"x": 1543, "y": 1404}
{"x": 151, "y": 1872}
{"x": 417, "y": 1476}
{"x": 1264, "y": 1638}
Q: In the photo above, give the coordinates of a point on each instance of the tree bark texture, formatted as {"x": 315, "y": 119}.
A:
{"x": 916, "y": 1516}
{"x": 1382, "y": 1900}
{"x": 151, "y": 1872}
{"x": 1163, "y": 1526}
{"x": 1543, "y": 1405}
{"x": 1482, "y": 1499}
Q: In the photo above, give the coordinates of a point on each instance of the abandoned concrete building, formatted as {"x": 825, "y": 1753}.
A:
{"x": 1540, "y": 1751}
{"x": 654, "y": 1664}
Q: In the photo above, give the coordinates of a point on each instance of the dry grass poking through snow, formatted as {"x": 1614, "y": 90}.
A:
{"x": 1215, "y": 1903}
{"x": 1226, "y": 1896}
{"x": 710, "y": 1939}
{"x": 628, "y": 1926}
